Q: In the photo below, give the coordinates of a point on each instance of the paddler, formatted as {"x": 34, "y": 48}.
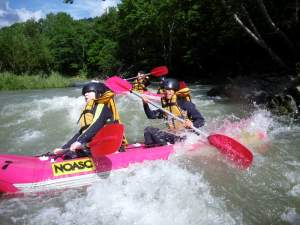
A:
{"x": 175, "y": 102}
{"x": 99, "y": 110}
{"x": 141, "y": 82}
{"x": 161, "y": 85}
{"x": 184, "y": 92}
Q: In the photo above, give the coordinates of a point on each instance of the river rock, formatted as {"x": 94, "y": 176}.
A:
{"x": 282, "y": 104}
{"x": 271, "y": 90}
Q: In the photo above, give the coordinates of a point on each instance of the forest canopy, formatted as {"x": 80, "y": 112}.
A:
{"x": 199, "y": 39}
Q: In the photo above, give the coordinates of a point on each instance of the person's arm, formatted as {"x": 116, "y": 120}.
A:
{"x": 79, "y": 140}
{"x": 194, "y": 114}
{"x": 152, "y": 114}
{"x": 147, "y": 81}
{"x": 96, "y": 126}
{"x": 71, "y": 141}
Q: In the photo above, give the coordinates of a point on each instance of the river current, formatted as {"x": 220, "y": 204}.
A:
{"x": 202, "y": 188}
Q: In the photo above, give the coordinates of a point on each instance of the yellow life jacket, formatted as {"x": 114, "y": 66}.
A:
{"x": 184, "y": 93}
{"x": 93, "y": 109}
{"x": 172, "y": 106}
{"x": 160, "y": 91}
{"x": 87, "y": 117}
{"x": 139, "y": 84}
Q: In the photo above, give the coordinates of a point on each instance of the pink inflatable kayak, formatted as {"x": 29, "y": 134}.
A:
{"x": 23, "y": 174}
{"x": 44, "y": 173}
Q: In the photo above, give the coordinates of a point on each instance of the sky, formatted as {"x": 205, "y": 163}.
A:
{"x": 13, "y": 11}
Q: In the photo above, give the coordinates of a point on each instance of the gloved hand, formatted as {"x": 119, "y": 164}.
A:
{"x": 188, "y": 123}
{"x": 76, "y": 145}
{"x": 145, "y": 100}
{"x": 58, "y": 150}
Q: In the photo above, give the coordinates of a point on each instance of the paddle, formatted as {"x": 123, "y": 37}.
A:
{"x": 157, "y": 72}
{"x": 231, "y": 148}
{"x": 107, "y": 141}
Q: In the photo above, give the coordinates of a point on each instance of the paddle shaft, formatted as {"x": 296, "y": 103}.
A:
{"x": 226, "y": 145}
{"x": 169, "y": 113}
{"x": 157, "y": 72}
{"x": 137, "y": 76}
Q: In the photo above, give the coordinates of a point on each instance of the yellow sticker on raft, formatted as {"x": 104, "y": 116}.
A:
{"x": 73, "y": 166}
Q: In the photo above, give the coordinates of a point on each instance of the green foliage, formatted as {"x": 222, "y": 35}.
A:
{"x": 139, "y": 33}
{"x": 191, "y": 37}
{"x": 179, "y": 34}
{"x": 102, "y": 54}
{"x": 63, "y": 42}
{"x": 9, "y": 81}
{"x": 24, "y": 49}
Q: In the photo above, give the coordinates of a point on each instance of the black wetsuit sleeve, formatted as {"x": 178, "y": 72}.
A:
{"x": 71, "y": 141}
{"x": 194, "y": 114}
{"x": 152, "y": 114}
{"x": 147, "y": 82}
{"x": 96, "y": 126}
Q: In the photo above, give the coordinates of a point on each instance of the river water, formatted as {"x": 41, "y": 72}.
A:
{"x": 188, "y": 189}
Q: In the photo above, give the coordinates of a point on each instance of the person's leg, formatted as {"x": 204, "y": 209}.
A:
{"x": 155, "y": 136}
{"x": 159, "y": 137}
{"x": 167, "y": 137}
{"x": 148, "y": 135}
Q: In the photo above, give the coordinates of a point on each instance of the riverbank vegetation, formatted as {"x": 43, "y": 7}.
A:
{"x": 9, "y": 81}
{"x": 208, "y": 39}
{"x": 215, "y": 41}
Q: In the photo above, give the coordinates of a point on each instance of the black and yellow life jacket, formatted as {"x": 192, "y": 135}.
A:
{"x": 160, "y": 91}
{"x": 89, "y": 115}
{"x": 93, "y": 109}
{"x": 173, "y": 107}
{"x": 185, "y": 94}
{"x": 139, "y": 84}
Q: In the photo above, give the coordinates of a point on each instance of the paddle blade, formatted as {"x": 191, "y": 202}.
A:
{"x": 108, "y": 140}
{"x": 159, "y": 71}
{"x": 118, "y": 85}
{"x": 232, "y": 149}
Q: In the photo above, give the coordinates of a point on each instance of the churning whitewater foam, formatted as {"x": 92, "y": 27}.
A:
{"x": 258, "y": 121}
{"x": 37, "y": 109}
{"x": 291, "y": 216}
{"x": 158, "y": 192}
{"x": 30, "y": 125}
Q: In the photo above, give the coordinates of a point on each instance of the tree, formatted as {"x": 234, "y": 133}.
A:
{"x": 61, "y": 30}
{"x": 24, "y": 48}
{"x": 240, "y": 13}
{"x": 102, "y": 54}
